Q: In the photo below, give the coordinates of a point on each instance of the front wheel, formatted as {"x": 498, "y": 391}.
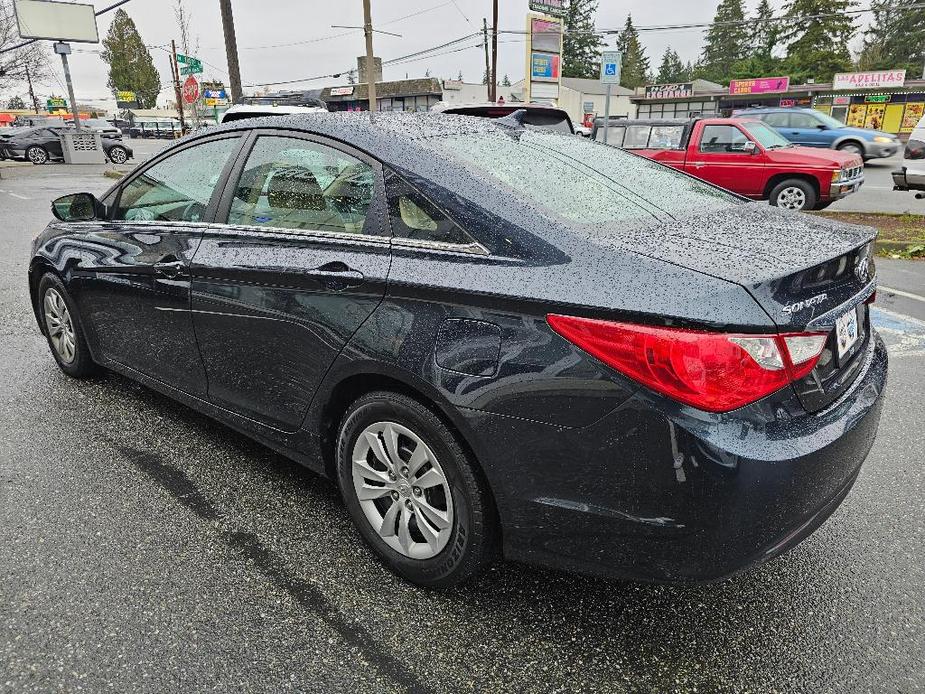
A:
{"x": 793, "y": 194}
{"x": 412, "y": 491}
{"x": 62, "y": 328}
{"x": 118, "y": 154}
{"x": 852, "y": 148}
{"x": 37, "y": 154}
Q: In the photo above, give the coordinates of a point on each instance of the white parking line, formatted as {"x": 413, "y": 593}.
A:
{"x": 897, "y": 292}
{"x": 21, "y": 197}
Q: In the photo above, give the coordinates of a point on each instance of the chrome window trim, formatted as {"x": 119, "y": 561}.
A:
{"x": 474, "y": 248}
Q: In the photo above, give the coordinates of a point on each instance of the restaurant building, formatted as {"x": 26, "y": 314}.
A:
{"x": 400, "y": 95}
{"x": 883, "y": 100}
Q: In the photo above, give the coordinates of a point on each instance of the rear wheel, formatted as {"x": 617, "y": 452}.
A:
{"x": 793, "y": 194}
{"x": 37, "y": 154}
{"x": 118, "y": 154}
{"x": 62, "y": 328}
{"x": 413, "y": 492}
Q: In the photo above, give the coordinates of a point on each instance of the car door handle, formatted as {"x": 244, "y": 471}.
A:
{"x": 337, "y": 275}
{"x": 169, "y": 266}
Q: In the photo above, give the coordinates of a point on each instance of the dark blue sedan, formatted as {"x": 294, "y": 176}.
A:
{"x": 499, "y": 341}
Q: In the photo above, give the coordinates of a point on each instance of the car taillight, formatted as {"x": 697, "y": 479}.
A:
{"x": 716, "y": 372}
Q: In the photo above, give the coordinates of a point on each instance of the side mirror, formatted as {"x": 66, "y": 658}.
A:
{"x": 748, "y": 147}
{"x": 822, "y": 126}
{"x": 78, "y": 207}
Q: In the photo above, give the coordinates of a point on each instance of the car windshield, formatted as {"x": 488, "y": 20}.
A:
{"x": 584, "y": 182}
{"x": 767, "y": 136}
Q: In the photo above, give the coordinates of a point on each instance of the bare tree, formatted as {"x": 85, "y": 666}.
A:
{"x": 188, "y": 44}
{"x": 17, "y": 65}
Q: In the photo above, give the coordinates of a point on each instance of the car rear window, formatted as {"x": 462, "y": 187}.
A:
{"x": 582, "y": 181}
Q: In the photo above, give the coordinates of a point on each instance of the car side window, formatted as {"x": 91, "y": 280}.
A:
{"x": 292, "y": 183}
{"x": 414, "y": 217}
{"x": 803, "y": 120}
{"x": 722, "y": 139}
{"x": 178, "y": 188}
{"x": 777, "y": 120}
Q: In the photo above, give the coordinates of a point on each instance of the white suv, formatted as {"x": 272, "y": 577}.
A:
{"x": 912, "y": 174}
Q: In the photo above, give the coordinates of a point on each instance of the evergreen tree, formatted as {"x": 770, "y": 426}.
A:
{"x": 459, "y": 77}
{"x": 484, "y": 76}
{"x": 130, "y": 65}
{"x": 581, "y": 46}
{"x": 765, "y": 32}
{"x": 635, "y": 68}
{"x": 16, "y": 104}
{"x": 506, "y": 81}
{"x": 727, "y": 41}
{"x": 895, "y": 37}
{"x": 672, "y": 69}
{"x": 817, "y": 46}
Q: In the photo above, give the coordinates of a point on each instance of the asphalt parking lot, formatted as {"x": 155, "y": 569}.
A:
{"x": 145, "y": 548}
{"x": 877, "y": 194}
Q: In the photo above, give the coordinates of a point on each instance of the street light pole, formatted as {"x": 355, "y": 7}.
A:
{"x": 493, "y": 85}
{"x": 63, "y": 49}
{"x": 370, "y": 67}
{"x": 231, "y": 51}
{"x": 175, "y": 73}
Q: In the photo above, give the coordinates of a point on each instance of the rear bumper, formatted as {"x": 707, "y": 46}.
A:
{"x": 903, "y": 179}
{"x": 653, "y": 494}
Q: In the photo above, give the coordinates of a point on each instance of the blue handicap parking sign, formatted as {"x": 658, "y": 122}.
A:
{"x": 610, "y": 69}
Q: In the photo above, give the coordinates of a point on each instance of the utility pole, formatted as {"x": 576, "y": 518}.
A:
{"x": 487, "y": 64}
{"x": 175, "y": 72}
{"x": 63, "y": 49}
{"x": 493, "y": 90}
{"x": 370, "y": 67}
{"x": 231, "y": 51}
{"x": 35, "y": 102}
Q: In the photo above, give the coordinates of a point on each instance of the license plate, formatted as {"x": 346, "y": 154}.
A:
{"x": 846, "y": 332}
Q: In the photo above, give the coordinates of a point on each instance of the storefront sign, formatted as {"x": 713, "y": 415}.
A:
{"x": 869, "y": 80}
{"x": 342, "y": 91}
{"x": 841, "y": 101}
{"x": 670, "y": 91}
{"x": 554, "y": 7}
{"x": 544, "y": 67}
{"x": 762, "y": 85}
{"x": 546, "y": 35}
{"x": 877, "y": 98}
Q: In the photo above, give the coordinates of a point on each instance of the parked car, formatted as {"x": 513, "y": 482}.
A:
{"x": 164, "y": 129}
{"x": 42, "y": 145}
{"x": 536, "y": 116}
{"x": 103, "y": 127}
{"x": 811, "y": 128}
{"x": 745, "y": 157}
{"x": 911, "y": 176}
{"x": 494, "y": 339}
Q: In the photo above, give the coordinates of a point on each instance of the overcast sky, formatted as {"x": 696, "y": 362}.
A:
{"x": 263, "y": 25}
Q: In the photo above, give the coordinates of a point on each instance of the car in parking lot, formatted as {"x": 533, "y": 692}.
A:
{"x": 42, "y": 145}
{"x": 496, "y": 340}
{"x": 745, "y": 157}
{"x": 103, "y": 127}
{"x": 911, "y": 175}
{"x": 808, "y": 127}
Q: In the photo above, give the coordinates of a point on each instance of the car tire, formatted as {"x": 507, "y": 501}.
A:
{"x": 793, "y": 194}
{"x": 117, "y": 154}
{"x": 433, "y": 523}
{"x": 852, "y": 148}
{"x": 62, "y": 328}
{"x": 37, "y": 154}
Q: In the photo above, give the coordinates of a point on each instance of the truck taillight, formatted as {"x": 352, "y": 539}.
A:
{"x": 716, "y": 372}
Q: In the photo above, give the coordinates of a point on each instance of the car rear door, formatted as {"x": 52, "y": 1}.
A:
{"x": 297, "y": 264}
{"x": 134, "y": 281}
{"x": 804, "y": 130}
{"x": 718, "y": 155}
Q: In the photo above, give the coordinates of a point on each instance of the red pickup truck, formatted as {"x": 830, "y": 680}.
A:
{"x": 747, "y": 157}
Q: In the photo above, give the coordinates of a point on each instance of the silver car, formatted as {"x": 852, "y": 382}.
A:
{"x": 912, "y": 174}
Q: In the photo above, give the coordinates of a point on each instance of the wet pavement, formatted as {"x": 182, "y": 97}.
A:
{"x": 145, "y": 548}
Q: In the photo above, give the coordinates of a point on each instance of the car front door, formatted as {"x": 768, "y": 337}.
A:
{"x": 804, "y": 130}
{"x": 299, "y": 265}
{"x": 723, "y": 158}
{"x": 135, "y": 281}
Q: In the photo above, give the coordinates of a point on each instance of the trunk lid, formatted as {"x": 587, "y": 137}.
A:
{"x": 804, "y": 271}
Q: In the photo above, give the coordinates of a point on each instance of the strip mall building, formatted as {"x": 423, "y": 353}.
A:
{"x": 882, "y": 100}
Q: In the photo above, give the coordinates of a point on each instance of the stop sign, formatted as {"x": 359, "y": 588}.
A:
{"x": 190, "y": 90}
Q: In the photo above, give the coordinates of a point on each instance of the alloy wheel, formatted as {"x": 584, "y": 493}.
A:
{"x": 402, "y": 490}
{"x": 792, "y": 198}
{"x": 60, "y": 326}
{"x": 37, "y": 155}
{"x": 117, "y": 155}
{"x": 852, "y": 149}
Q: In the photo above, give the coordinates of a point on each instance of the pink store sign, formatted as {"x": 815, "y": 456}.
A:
{"x": 761, "y": 85}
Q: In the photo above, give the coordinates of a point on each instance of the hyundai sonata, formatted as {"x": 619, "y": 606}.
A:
{"x": 498, "y": 341}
